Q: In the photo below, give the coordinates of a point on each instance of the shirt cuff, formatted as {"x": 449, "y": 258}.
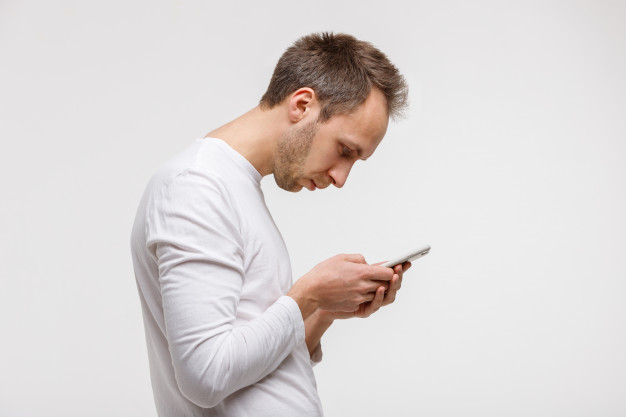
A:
{"x": 295, "y": 315}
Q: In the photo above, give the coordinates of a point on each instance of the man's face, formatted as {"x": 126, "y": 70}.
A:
{"x": 319, "y": 154}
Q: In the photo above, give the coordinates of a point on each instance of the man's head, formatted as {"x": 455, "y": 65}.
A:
{"x": 339, "y": 93}
{"x": 341, "y": 70}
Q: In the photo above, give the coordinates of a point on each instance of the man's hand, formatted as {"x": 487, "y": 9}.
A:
{"x": 381, "y": 298}
{"x": 318, "y": 321}
{"x": 344, "y": 283}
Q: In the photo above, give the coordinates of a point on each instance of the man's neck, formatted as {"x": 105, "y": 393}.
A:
{"x": 254, "y": 135}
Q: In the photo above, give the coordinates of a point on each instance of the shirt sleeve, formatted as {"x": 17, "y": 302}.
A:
{"x": 317, "y": 355}
{"x": 195, "y": 238}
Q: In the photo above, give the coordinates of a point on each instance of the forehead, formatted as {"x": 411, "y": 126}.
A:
{"x": 365, "y": 127}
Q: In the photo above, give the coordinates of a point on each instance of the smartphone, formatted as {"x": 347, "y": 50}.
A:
{"x": 414, "y": 254}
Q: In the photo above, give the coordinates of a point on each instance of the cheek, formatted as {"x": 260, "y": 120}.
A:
{"x": 321, "y": 165}
{"x": 322, "y": 161}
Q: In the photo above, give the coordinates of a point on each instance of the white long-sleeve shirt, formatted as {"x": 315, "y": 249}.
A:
{"x": 212, "y": 270}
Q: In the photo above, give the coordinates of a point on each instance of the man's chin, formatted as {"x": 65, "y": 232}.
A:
{"x": 291, "y": 187}
{"x": 294, "y": 189}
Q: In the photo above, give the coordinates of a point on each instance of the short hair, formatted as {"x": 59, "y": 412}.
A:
{"x": 341, "y": 70}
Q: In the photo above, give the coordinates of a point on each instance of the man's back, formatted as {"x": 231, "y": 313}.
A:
{"x": 211, "y": 270}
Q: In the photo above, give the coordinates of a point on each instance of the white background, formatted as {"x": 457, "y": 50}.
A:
{"x": 511, "y": 164}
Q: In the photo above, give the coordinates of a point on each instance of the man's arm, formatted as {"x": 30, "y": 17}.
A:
{"x": 315, "y": 326}
{"x": 194, "y": 238}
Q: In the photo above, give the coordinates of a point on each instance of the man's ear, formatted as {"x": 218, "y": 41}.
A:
{"x": 301, "y": 104}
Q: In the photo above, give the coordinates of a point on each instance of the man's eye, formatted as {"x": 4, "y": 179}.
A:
{"x": 345, "y": 151}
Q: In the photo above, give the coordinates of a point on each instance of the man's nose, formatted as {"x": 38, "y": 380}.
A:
{"x": 339, "y": 174}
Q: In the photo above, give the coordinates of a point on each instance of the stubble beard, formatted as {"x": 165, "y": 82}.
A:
{"x": 292, "y": 150}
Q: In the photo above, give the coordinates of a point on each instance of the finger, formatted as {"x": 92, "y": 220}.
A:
{"x": 372, "y": 286}
{"x": 399, "y": 269}
{"x": 376, "y": 303}
{"x": 366, "y": 298}
{"x": 355, "y": 304}
{"x": 379, "y": 263}
{"x": 397, "y": 284}
{"x": 390, "y": 297}
{"x": 393, "y": 285}
{"x": 402, "y": 268}
{"x": 379, "y": 273}
{"x": 355, "y": 257}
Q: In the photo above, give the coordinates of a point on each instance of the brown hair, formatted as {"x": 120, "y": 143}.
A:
{"x": 341, "y": 70}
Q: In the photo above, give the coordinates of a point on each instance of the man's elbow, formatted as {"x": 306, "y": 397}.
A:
{"x": 201, "y": 393}
{"x": 205, "y": 374}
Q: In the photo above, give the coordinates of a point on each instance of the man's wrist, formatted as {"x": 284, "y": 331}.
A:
{"x": 307, "y": 304}
{"x": 325, "y": 317}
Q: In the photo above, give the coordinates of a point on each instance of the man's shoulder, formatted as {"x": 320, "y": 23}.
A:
{"x": 202, "y": 158}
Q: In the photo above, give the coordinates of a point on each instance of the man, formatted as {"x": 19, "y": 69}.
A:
{"x": 227, "y": 333}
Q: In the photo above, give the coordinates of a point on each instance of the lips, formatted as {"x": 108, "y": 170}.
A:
{"x": 311, "y": 185}
{"x": 320, "y": 184}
